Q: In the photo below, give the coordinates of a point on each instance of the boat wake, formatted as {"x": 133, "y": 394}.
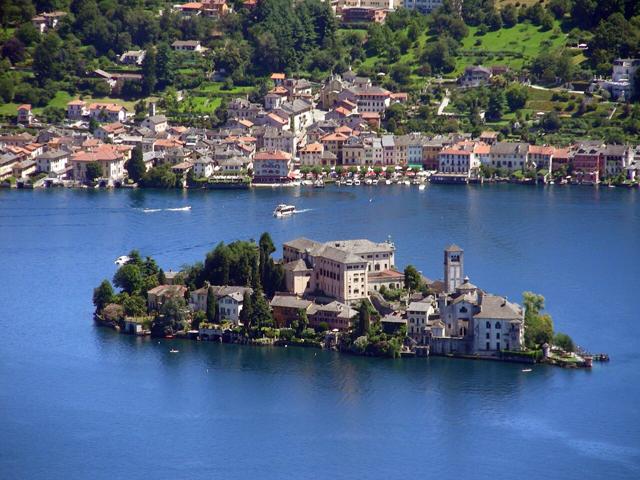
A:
{"x": 304, "y": 210}
{"x": 178, "y": 209}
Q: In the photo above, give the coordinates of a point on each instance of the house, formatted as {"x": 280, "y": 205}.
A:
{"x": 423, "y": 6}
{"x": 157, "y": 296}
{"x": 187, "y": 46}
{"x": 541, "y": 157}
{"x": 588, "y": 164}
{"x": 47, "y": 20}
{"x": 353, "y": 15}
{"x": 109, "y": 131}
{"x": 203, "y": 167}
{"x": 488, "y": 137}
{"x": 499, "y": 325}
{"x": 110, "y": 158}
{"x": 333, "y": 142}
{"x": 23, "y": 169}
{"x": 107, "y": 112}
{"x": 234, "y": 165}
{"x": 76, "y": 109}
{"x": 368, "y": 99}
{"x": 7, "y": 162}
{"x": 510, "y": 156}
{"x": 215, "y": 8}
{"x": 278, "y": 78}
{"x": 25, "y": 115}
{"x": 621, "y": 86}
{"x": 190, "y": 9}
{"x": 475, "y": 76}
{"x": 272, "y": 167}
{"x": 133, "y": 57}
{"x": 155, "y": 123}
{"x": 418, "y": 316}
{"x": 286, "y": 309}
{"x": 230, "y": 300}
{"x": 335, "y": 315}
{"x": 297, "y": 276}
{"x": 311, "y": 154}
{"x": 458, "y": 160}
{"x": 616, "y": 159}
{"x": 53, "y": 162}
{"x": 275, "y": 139}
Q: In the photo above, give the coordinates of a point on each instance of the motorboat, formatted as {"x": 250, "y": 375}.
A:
{"x": 173, "y": 350}
{"x": 422, "y": 186}
{"x": 407, "y": 183}
{"x": 121, "y": 260}
{"x": 318, "y": 184}
{"x": 356, "y": 182}
{"x": 387, "y": 182}
{"x": 368, "y": 181}
{"x": 283, "y": 210}
{"x": 374, "y": 181}
{"x": 526, "y": 370}
{"x": 348, "y": 182}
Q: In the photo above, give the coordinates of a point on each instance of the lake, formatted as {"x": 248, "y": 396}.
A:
{"x": 78, "y": 401}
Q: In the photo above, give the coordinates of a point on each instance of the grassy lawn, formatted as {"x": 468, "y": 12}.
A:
{"x": 512, "y": 47}
{"x": 200, "y": 105}
{"x": 215, "y": 88}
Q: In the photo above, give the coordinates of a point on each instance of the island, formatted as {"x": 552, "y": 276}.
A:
{"x": 345, "y": 295}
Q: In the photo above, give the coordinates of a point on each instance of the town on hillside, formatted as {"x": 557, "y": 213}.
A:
{"x": 346, "y": 295}
{"x": 299, "y": 133}
{"x": 228, "y": 94}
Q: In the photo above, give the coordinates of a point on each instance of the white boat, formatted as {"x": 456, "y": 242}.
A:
{"x": 318, "y": 184}
{"x": 422, "y": 186}
{"x": 526, "y": 370}
{"x": 173, "y": 350}
{"x": 122, "y": 260}
{"x": 349, "y": 182}
{"x": 307, "y": 183}
{"x": 368, "y": 181}
{"x": 407, "y": 183}
{"x": 283, "y": 210}
{"x": 387, "y": 182}
{"x": 375, "y": 181}
{"x": 356, "y": 182}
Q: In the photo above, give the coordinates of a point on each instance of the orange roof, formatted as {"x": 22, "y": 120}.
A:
{"x": 541, "y": 149}
{"x": 25, "y": 106}
{"x": 277, "y": 76}
{"x": 334, "y": 137}
{"x": 400, "y": 95}
{"x": 168, "y": 142}
{"x": 343, "y": 111}
{"x": 455, "y": 151}
{"x": 190, "y": 6}
{"x": 110, "y": 107}
{"x": 105, "y": 153}
{"x": 561, "y": 153}
{"x": 489, "y": 134}
{"x": 76, "y": 102}
{"x": 246, "y": 123}
{"x": 279, "y": 90}
{"x": 482, "y": 149}
{"x": 277, "y": 118}
{"x": 113, "y": 127}
{"x": 272, "y": 155}
{"x": 343, "y": 129}
{"x": 370, "y": 115}
{"x": 312, "y": 148}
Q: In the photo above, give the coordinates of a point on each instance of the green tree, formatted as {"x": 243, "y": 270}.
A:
{"x": 517, "y": 97}
{"x": 364, "y": 318}
{"x": 261, "y": 313}
{"x": 149, "y": 78}
{"x": 129, "y": 278}
{"x": 212, "y": 306}
{"x": 412, "y": 278}
{"x": 495, "y": 106}
{"x": 302, "y": 322}
{"x": 135, "y": 166}
{"x": 102, "y": 295}
{"x": 564, "y": 341}
{"x": 246, "y": 314}
{"x": 134, "y": 306}
{"x": 93, "y": 170}
{"x": 538, "y": 326}
{"x": 48, "y": 59}
{"x": 165, "y": 68}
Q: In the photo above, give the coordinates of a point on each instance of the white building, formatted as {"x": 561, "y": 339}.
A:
{"x": 52, "y": 162}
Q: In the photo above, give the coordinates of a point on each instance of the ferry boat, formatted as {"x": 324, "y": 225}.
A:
{"x": 283, "y": 210}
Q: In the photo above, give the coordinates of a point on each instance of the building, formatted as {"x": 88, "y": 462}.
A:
{"x": 458, "y": 160}
{"x": 107, "y": 112}
{"x": 352, "y": 15}
{"x": 133, "y": 57}
{"x": 229, "y": 299}
{"x": 25, "y": 115}
{"x": 509, "y": 156}
{"x": 423, "y": 6}
{"x": 616, "y": 159}
{"x": 187, "y": 46}
{"x": 155, "y": 123}
{"x": 621, "y": 86}
{"x": 109, "y": 131}
{"x": 541, "y": 157}
{"x": 475, "y": 76}
{"x": 453, "y": 267}
{"x": 111, "y": 160}
{"x": 47, "y": 20}
{"x": 588, "y": 164}
{"x": 53, "y": 162}
{"x": 286, "y": 309}
{"x": 157, "y": 296}
{"x": 498, "y": 325}
{"x": 336, "y": 316}
{"x": 272, "y": 167}
{"x": 76, "y": 110}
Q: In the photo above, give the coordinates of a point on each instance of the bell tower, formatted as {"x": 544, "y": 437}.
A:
{"x": 453, "y": 267}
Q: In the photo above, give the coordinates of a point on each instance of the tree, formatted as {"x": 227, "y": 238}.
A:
{"x": 165, "y": 72}
{"x": 159, "y": 177}
{"x": 212, "y": 306}
{"x": 538, "y": 327}
{"x": 564, "y": 341}
{"x": 261, "y": 313}
{"x": 135, "y": 166}
{"x": 13, "y": 49}
{"x": 496, "y": 104}
{"x": 93, "y": 170}
{"x": 149, "y": 78}
{"x": 364, "y": 318}
{"x": 134, "y": 306}
{"x": 302, "y": 322}
{"x": 102, "y": 295}
{"x": 246, "y": 314}
{"x": 517, "y": 97}
{"x": 412, "y": 278}
{"x": 129, "y": 278}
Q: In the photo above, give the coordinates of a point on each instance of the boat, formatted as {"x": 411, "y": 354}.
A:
{"x": 283, "y": 210}
{"x": 356, "y": 182}
{"x": 407, "y": 183}
{"x": 173, "y": 350}
{"x": 318, "y": 184}
{"x": 368, "y": 181}
{"x": 422, "y": 186}
{"x": 415, "y": 181}
{"x": 387, "y": 182}
{"x": 121, "y": 260}
{"x": 526, "y": 370}
{"x": 374, "y": 181}
{"x": 348, "y": 182}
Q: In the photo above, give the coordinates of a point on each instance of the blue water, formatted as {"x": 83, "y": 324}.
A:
{"x": 77, "y": 401}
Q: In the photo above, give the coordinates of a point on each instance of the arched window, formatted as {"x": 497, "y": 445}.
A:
{"x": 488, "y": 324}
{"x": 498, "y": 325}
{"x": 463, "y": 310}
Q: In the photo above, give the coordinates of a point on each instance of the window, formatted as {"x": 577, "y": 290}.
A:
{"x": 498, "y": 335}
{"x": 498, "y": 346}
{"x": 498, "y": 325}
{"x": 489, "y": 325}
{"x": 488, "y": 335}
{"x": 487, "y": 346}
